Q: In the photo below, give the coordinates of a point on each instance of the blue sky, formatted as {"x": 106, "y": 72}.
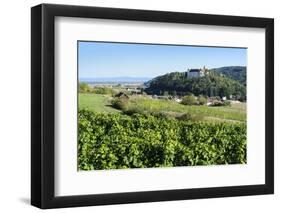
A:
{"x": 105, "y": 59}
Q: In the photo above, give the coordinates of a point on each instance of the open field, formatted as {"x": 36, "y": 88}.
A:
{"x": 96, "y": 103}
{"x": 141, "y": 104}
{"x": 237, "y": 112}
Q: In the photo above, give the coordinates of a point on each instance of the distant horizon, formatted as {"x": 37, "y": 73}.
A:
{"x": 129, "y": 60}
{"x": 116, "y": 79}
{"x": 133, "y": 77}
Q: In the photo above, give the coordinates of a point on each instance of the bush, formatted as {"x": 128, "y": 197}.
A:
{"x": 120, "y": 103}
{"x": 189, "y": 100}
{"x": 84, "y": 87}
{"x": 227, "y": 103}
{"x": 221, "y": 103}
{"x": 202, "y": 100}
{"x": 115, "y": 141}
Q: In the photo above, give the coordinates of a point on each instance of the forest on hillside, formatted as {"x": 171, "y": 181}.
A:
{"x": 215, "y": 83}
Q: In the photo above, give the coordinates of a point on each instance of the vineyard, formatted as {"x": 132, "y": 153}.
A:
{"x": 118, "y": 141}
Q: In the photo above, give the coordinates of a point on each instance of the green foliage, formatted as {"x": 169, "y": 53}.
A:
{"x": 221, "y": 103}
{"x": 189, "y": 100}
{"x": 115, "y": 141}
{"x": 212, "y": 84}
{"x": 103, "y": 91}
{"x": 165, "y": 93}
{"x": 84, "y": 87}
{"x": 185, "y": 117}
{"x": 237, "y": 73}
{"x": 172, "y": 109}
{"x": 202, "y": 100}
{"x": 227, "y": 103}
{"x": 96, "y": 103}
{"x": 120, "y": 103}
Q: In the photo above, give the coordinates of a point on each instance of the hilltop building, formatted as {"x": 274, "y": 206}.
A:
{"x": 196, "y": 72}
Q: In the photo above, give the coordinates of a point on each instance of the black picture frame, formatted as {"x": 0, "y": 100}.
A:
{"x": 43, "y": 102}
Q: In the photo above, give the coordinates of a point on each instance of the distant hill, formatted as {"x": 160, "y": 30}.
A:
{"x": 237, "y": 73}
{"x": 212, "y": 84}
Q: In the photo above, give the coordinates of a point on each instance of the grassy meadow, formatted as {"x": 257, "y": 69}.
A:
{"x": 101, "y": 103}
{"x": 96, "y": 103}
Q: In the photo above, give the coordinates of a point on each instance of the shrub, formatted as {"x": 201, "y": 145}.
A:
{"x": 221, "y": 103}
{"x": 189, "y": 100}
{"x": 227, "y": 103}
{"x": 120, "y": 103}
{"x": 115, "y": 141}
{"x": 202, "y": 100}
{"x": 217, "y": 103}
{"x": 84, "y": 87}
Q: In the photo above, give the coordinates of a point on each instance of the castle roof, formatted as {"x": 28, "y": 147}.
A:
{"x": 194, "y": 70}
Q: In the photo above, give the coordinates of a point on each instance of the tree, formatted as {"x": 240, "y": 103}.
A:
{"x": 212, "y": 84}
{"x": 189, "y": 100}
{"x": 165, "y": 93}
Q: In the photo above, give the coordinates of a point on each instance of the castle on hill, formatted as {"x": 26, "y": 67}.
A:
{"x": 191, "y": 73}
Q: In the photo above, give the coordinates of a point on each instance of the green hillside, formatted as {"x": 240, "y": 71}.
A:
{"x": 237, "y": 73}
{"x": 212, "y": 84}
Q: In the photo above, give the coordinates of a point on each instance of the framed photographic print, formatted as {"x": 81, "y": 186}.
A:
{"x": 139, "y": 106}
